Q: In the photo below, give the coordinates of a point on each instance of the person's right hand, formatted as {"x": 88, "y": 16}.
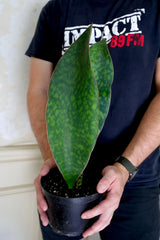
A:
{"x": 41, "y": 202}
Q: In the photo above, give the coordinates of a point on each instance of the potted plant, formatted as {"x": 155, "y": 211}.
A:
{"x": 79, "y": 99}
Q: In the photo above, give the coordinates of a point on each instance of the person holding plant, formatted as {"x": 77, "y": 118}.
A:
{"x": 130, "y": 139}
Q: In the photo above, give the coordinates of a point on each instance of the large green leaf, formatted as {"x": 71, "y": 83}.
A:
{"x": 73, "y": 110}
{"x": 79, "y": 99}
{"x": 103, "y": 70}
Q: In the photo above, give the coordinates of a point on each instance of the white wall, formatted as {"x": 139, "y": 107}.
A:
{"x": 20, "y": 158}
{"x": 17, "y": 23}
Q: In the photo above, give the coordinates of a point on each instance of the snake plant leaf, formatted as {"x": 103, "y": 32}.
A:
{"x": 102, "y": 66}
{"x": 72, "y": 113}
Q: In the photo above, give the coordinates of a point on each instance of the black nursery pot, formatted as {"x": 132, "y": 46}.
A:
{"x": 64, "y": 213}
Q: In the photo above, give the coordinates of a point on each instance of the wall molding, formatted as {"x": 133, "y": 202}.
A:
{"x": 19, "y": 166}
{"x": 19, "y": 153}
{"x": 16, "y": 190}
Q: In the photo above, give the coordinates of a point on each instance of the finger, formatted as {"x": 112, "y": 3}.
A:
{"x": 102, "y": 222}
{"x": 90, "y": 231}
{"x": 110, "y": 202}
{"x": 48, "y": 164}
{"x": 44, "y": 217}
{"x": 41, "y": 202}
{"x": 96, "y": 211}
{"x": 99, "y": 225}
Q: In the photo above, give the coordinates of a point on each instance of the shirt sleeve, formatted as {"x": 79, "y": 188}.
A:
{"x": 43, "y": 44}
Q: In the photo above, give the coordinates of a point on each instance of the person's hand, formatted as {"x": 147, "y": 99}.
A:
{"x": 113, "y": 182}
{"x": 41, "y": 203}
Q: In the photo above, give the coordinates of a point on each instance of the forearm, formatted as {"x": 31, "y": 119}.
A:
{"x": 37, "y": 101}
{"x": 147, "y": 136}
{"x": 37, "y": 97}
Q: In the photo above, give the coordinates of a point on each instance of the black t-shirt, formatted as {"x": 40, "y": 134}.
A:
{"x": 132, "y": 31}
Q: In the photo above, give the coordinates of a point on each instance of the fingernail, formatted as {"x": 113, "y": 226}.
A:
{"x": 84, "y": 216}
{"x": 44, "y": 207}
{"x": 101, "y": 187}
{"x": 45, "y": 223}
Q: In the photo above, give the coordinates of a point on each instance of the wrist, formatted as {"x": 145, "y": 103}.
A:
{"x": 123, "y": 170}
{"x": 125, "y": 163}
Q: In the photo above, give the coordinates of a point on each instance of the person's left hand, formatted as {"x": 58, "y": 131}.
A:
{"x": 113, "y": 182}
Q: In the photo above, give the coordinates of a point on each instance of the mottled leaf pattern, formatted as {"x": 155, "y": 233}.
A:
{"x": 73, "y": 110}
{"x": 101, "y": 63}
{"x": 79, "y": 97}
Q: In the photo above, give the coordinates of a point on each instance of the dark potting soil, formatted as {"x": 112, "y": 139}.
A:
{"x": 55, "y": 184}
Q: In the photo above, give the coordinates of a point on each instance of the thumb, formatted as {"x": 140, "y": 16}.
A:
{"x": 105, "y": 182}
{"x": 103, "y": 185}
